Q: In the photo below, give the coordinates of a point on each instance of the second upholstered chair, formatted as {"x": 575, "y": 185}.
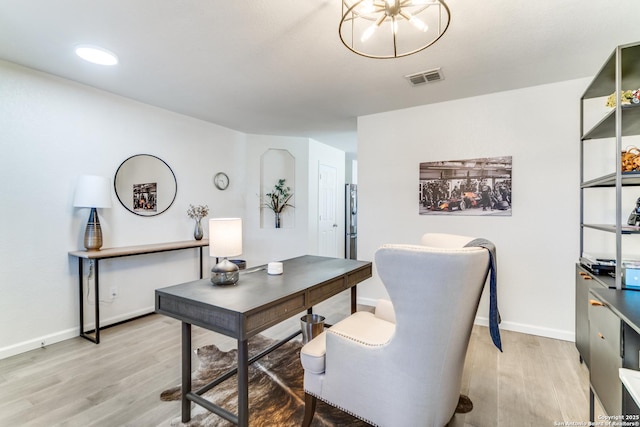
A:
{"x": 402, "y": 365}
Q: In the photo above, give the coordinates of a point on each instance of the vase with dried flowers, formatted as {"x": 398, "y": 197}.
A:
{"x": 197, "y": 213}
{"x": 278, "y": 199}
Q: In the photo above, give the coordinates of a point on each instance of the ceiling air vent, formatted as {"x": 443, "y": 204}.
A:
{"x": 423, "y": 77}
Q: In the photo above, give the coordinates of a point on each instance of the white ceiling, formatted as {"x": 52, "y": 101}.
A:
{"x": 277, "y": 67}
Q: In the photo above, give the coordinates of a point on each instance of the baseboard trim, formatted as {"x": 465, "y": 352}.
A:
{"x": 508, "y": 326}
{"x": 531, "y": 329}
{"x": 45, "y": 340}
{"x": 36, "y": 343}
{"x": 49, "y": 339}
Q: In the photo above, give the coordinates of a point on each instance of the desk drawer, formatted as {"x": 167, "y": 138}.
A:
{"x": 274, "y": 314}
{"x": 605, "y": 353}
{"x": 358, "y": 276}
{"x": 326, "y": 290}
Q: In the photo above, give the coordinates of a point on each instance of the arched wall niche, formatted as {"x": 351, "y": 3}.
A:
{"x": 276, "y": 164}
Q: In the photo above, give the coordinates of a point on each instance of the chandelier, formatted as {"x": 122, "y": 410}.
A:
{"x": 392, "y": 28}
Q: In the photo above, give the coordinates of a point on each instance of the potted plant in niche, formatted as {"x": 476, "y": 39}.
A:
{"x": 278, "y": 199}
{"x": 197, "y": 213}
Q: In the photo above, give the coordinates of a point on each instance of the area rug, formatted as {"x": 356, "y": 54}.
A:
{"x": 276, "y": 393}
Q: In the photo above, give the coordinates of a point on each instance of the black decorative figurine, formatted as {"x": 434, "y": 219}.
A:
{"x": 634, "y": 217}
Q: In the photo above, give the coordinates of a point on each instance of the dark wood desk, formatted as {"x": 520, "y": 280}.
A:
{"x": 256, "y": 303}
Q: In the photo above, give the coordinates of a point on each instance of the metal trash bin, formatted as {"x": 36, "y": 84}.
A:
{"x": 312, "y": 325}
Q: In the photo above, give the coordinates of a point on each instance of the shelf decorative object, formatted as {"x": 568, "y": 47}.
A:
{"x": 630, "y": 159}
{"x": 628, "y": 98}
{"x": 197, "y": 213}
{"x": 278, "y": 200}
{"x": 625, "y": 98}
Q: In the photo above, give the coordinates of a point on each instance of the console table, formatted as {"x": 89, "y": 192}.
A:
{"x": 256, "y": 303}
{"x": 124, "y": 251}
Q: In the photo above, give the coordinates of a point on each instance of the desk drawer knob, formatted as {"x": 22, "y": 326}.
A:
{"x": 600, "y": 336}
{"x": 596, "y": 303}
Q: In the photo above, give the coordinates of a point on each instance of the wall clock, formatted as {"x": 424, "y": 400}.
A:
{"x": 221, "y": 181}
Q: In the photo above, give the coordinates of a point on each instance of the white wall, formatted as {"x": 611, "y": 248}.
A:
{"x": 51, "y": 131}
{"x": 538, "y": 245}
{"x": 351, "y": 172}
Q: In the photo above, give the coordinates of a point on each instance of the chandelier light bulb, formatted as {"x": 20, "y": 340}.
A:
{"x": 417, "y": 22}
{"x": 367, "y": 7}
{"x": 368, "y": 33}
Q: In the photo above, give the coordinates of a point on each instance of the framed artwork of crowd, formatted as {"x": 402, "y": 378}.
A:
{"x": 475, "y": 187}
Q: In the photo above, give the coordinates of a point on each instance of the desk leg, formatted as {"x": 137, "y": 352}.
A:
{"x": 186, "y": 371}
{"x": 354, "y": 298}
{"x": 243, "y": 384}
{"x": 201, "y": 262}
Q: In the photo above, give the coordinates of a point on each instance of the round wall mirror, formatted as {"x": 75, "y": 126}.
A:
{"x": 145, "y": 185}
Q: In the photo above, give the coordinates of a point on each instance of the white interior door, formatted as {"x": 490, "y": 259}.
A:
{"x": 327, "y": 206}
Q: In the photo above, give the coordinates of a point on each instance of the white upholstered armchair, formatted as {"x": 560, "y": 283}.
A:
{"x": 402, "y": 365}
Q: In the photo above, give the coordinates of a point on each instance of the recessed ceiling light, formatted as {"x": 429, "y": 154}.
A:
{"x": 96, "y": 55}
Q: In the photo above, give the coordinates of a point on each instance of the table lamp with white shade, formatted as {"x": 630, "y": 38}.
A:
{"x": 225, "y": 240}
{"x": 93, "y": 192}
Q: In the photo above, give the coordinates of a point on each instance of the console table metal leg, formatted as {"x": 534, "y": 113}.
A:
{"x": 96, "y": 338}
{"x": 81, "y": 294}
{"x": 186, "y": 371}
{"x": 200, "y": 262}
{"x": 592, "y": 402}
{"x": 97, "y": 298}
{"x": 243, "y": 383}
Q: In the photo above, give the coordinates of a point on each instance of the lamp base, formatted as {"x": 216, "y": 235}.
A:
{"x": 93, "y": 232}
{"x": 225, "y": 273}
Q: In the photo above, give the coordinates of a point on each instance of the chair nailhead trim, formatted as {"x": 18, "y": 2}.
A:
{"x": 342, "y": 409}
{"x": 356, "y": 340}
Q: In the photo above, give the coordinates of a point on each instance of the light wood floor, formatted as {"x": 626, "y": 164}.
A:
{"x": 535, "y": 382}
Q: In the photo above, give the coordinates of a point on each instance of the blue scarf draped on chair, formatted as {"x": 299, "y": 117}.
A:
{"x": 494, "y": 314}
